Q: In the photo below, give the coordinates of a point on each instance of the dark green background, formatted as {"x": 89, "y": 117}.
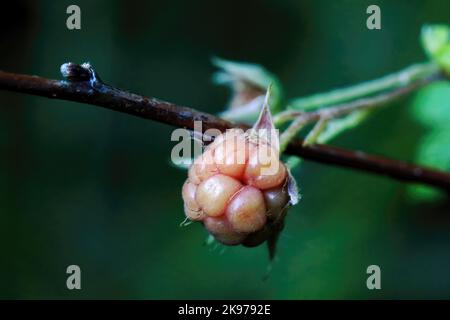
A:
{"x": 87, "y": 186}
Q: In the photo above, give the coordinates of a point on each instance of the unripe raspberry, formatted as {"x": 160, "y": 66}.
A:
{"x": 238, "y": 189}
{"x": 202, "y": 168}
{"x": 247, "y": 210}
{"x": 276, "y": 200}
{"x": 255, "y": 167}
{"x": 222, "y": 231}
{"x": 214, "y": 193}
{"x": 191, "y": 208}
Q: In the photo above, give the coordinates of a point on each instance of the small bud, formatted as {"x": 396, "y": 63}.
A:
{"x": 75, "y": 72}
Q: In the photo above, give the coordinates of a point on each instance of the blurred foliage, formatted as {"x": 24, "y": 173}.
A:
{"x": 87, "y": 186}
{"x": 431, "y": 108}
{"x": 436, "y": 41}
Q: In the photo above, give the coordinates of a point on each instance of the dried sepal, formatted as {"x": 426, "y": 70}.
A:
{"x": 264, "y": 128}
{"x": 248, "y": 83}
{"x": 292, "y": 189}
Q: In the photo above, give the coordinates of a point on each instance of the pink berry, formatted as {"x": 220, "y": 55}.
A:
{"x": 247, "y": 210}
{"x": 264, "y": 170}
{"x": 237, "y": 188}
{"x": 214, "y": 193}
{"x": 191, "y": 208}
{"x": 221, "y": 229}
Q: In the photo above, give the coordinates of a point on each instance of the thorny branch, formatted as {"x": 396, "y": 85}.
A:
{"x": 83, "y": 85}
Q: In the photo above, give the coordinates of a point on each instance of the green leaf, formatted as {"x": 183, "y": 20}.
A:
{"x": 431, "y": 107}
{"x": 432, "y": 110}
{"x": 434, "y": 38}
{"x": 433, "y": 151}
{"x": 436, "y": 42}
{"x": 443, "y": 58}
{"x": 254, "y": 74}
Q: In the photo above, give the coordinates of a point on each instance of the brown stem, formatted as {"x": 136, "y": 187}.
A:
{"x": 93, "y": 91}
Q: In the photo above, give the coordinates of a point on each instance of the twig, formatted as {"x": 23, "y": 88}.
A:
{"x": 302, "y": 118}
{"x": 391, "y": 81}
{"x": 365, "y": 162}
{"x": 95, "y": 92}
{"x": 363, "y": 103}
{"x": 316, "y": 131}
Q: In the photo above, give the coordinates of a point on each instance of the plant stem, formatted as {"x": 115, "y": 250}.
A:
{"x": 312, "y": 136}
{"x": 95, "y": 92}
{"x": 290, "y": 133}
{"x": 392, "y": 81}
{"x": 303, "y": 118}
